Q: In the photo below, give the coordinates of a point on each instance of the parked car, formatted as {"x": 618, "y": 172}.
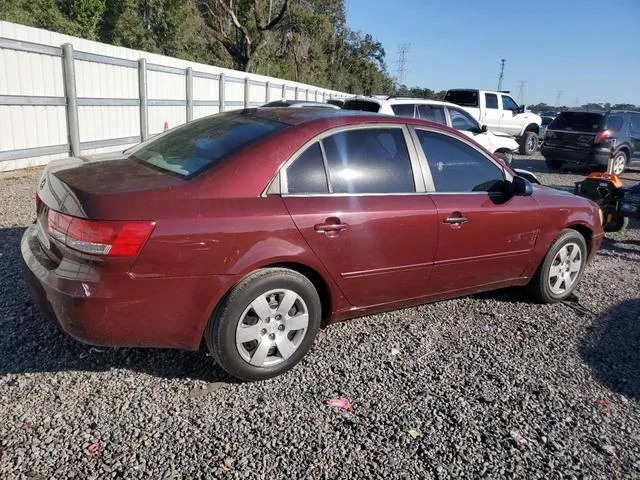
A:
{"x": 500, "y": 144}
{"x": 250, "y": 229}
{"x": 300, "y": 104}
{"x": 593, "y": 139}
{"x": 499, "y": 111}
{"x": 543, "y": 128}
{"x": 549, "y": 113}
{"x": 338, "y": 102}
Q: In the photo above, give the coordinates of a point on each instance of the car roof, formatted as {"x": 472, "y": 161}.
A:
{"x": 401, "y": 100}
{"x": 298, "y": 103}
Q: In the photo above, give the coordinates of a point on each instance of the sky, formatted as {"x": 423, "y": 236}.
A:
{"x": 588, "y": 50}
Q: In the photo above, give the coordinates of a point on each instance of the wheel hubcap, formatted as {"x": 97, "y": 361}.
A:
{"x": 272, "y": 328}
{"x": 618, "y": 164}
{"x": 531, "y": 144}
{"x": 565, "y": 268}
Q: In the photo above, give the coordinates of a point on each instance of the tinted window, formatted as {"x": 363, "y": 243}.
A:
{"x": 546, "y": 121}
{"x": 614, "y": 122}
{"x": 369, "y": 161}
{"x": 466, "y": 98}
{"x": 491, "y": 100}
{"x": 634, "y": 124}
{"x": 578, "y": 121}
{"x": 508, "y": 103}
{"x": 403, "y": 110}
{"x": 306, "y": 174}
{"x": 204, "y": 143}
{"x": 462, "y": 120}
{"x": 457, "y": 167}
{"x": 432, "y": 113}
{"x": 361, "y": 105}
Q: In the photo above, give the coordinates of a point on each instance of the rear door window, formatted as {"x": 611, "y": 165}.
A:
{"x": 404, "y": 110}
{"x": 432, "y": 113}
{"x": 578, "y": 122}
{"x": 491, "y": 100}
{"x": 465, "y": 98}
{"x": 458, "y": 167}
{"x": 634, "y": 123}
{"x": 307, "y": 173}
{"x": 372, "y": 160}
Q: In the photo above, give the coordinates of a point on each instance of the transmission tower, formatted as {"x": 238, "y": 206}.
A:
{"x": 403, "y": 51}
{"x": 502, "y": 62}
{"x": 558, "y": 96}
{"x": 521, "y": 85}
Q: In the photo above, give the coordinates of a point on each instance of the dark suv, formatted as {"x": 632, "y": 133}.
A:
{"x": 593, "y": 139}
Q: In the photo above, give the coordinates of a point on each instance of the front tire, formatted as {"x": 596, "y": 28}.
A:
{"x": 561, "y": 269}
{"x": 528, "y": 143}
{"x": 266, "y": 324}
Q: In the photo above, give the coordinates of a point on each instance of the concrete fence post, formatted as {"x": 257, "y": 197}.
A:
{"x": 324, "y": 96}
{"x": 316, "y": 96}
{"x": 69, "y": 74}
{"x": 246, "y": 92}
{"x": 284, "y": 92}
{"x": 297, "y": 91}
{"x": 188, "y": 75}
{"x": 142, "y": 95}
{"x": 221, "y": 93}
{"x": 267, "y": 92}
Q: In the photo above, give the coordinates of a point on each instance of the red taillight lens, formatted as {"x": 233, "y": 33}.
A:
{"x": 602, "y": 136}
{"x": 99, "y": 237}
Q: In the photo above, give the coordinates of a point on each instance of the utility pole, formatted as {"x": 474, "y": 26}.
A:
{"x": 403, "y": 50}
{"x": 558, "y": 96}
{"x": 521, "y": 85}
{"x": 502, "y": 62}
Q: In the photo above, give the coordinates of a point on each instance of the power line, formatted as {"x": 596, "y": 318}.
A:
{"x": 521, "y": 85}
{"x": 403, "y": 51}
{"x": 502, "y": 62}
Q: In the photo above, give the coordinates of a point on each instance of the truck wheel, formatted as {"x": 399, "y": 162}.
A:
{"x": 553, "y": 164}
{"x": 528, "y": 143}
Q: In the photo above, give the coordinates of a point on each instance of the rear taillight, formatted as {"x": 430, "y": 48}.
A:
{"x": 602, "y": 136}
{"x": 99, "y": 237}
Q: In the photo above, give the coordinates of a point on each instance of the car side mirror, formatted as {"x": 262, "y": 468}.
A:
{"x": 521, "y": 187}
{"x": 483, "y": 128}
{"x": 520, "y": 109}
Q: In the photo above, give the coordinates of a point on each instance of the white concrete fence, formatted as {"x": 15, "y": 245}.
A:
{"x": 62, "y": 95}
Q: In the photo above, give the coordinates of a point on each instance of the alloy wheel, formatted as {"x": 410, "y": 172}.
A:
{"x": 272, "y": 328}
{"x": 565, "y": 269}
{"x": 619, "y": 162}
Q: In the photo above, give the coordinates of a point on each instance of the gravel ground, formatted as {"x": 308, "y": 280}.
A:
{"x": 489, "y": 386}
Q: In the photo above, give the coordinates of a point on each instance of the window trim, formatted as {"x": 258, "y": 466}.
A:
{"x": 503, "y": 95}
{"x": 278, "y": 185}
{"x": 498, "y": 101}
{"x": 428, "y": 178}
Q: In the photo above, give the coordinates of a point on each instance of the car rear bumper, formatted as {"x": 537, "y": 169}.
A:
{"x": 598, "y": 157}
{"x": 119, "y": 309}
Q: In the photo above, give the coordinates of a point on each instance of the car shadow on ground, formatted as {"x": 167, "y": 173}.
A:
{"x": 31, "y": 343}
{"x": 612, "y": 348}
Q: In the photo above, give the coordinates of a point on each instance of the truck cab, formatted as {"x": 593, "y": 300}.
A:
{"x": 500, "y": 112}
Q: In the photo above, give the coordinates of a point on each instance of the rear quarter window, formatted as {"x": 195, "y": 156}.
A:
{"x": 466, "y": 98}
{"x": 361, "y": 105}
{"x": 615, "y": 122}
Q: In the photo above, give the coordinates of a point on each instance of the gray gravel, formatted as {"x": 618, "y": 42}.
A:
{"x": 496, "y": 386}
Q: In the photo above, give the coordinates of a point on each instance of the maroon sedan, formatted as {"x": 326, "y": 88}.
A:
{"x": 251, "y": 228}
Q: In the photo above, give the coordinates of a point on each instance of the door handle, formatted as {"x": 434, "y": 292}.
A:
{"x": 331, "y": 226}
{"x": 457, "y": 220}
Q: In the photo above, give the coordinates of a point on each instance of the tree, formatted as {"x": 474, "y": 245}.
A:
{"x": 242, "y": 30}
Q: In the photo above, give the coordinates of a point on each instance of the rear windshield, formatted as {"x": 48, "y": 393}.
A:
{"x": 466, "y": 98}
{"x": 191, "y": 148}
{"x": 361, "y": 105}
{"x": 578, "y": 122}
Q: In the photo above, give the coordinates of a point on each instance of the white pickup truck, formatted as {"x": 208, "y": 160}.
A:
{"x": 500, "y": 112}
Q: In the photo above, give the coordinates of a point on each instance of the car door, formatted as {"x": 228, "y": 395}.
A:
{"x": 357, "y": 196}
{"x": 634, "y": 134}
{"x": 466, "y": 124}
{"x": 509, "y": 121}
{"x": 485, "y": 236}
{"x": 491, "y": 113}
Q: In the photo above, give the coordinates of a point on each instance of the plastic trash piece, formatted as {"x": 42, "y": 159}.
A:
{"x": 93, "y": 448}
{"x": 340, "y": 402}
{"x": 415, "y": 432}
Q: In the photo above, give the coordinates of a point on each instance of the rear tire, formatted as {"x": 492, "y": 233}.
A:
{"x": 528, "y": 143}
{"x": 615, "y": 222}
{"x": 619, "y": 163}
{"x": 265, "y": 325}
{"x": 561, "y": 269}
{"x": 507, "y": 157}
{"x": 553, "y": 164}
